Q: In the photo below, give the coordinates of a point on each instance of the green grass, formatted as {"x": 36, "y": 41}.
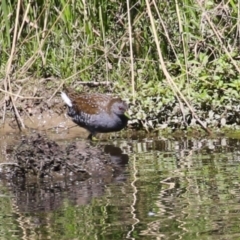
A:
{"x": 171, "y": 60}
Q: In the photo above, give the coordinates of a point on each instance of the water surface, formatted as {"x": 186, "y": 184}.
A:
{"x": 164, "y": 189}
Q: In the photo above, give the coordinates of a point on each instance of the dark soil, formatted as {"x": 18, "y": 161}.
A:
{"x": 40, "y": 173}
{"x": 39, "y": 157}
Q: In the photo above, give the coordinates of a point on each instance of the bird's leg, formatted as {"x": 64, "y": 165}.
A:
{"x": 92, "y": 137}
{"x": 89, "y": 136}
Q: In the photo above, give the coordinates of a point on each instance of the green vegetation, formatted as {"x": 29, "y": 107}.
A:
{"x": 174, "y": 61}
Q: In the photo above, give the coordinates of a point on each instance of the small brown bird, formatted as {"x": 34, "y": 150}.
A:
{"x": 98, "y": 113}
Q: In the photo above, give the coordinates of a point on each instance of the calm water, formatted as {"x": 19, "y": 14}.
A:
{"x": 178, "y": 189}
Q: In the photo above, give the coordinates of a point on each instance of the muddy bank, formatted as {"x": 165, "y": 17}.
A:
{"x": 56, "y": 126}
{"x": 42, "y": 172}
{"x": 43, "y": 111}
{"x": 36, "y": 156}
{"x": 41, "y": 108}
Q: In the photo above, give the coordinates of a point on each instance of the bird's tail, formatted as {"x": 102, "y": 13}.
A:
{"x": 66, "y": 99}
{"x": 64, "y": 95}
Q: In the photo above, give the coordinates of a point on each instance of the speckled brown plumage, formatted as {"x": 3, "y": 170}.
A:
{"x": 96, "y": 112}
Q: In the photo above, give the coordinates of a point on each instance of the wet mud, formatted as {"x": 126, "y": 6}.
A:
{"x": 52, "y": 161}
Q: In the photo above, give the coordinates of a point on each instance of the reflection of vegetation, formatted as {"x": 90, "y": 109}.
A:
{"x": 76, "y": 223}
{"x": 188, "y": 189}
{"x": 191, "y": 194}
{"x": 67, "y": 39}
{"x": 92, "y": 221}
{"x": 9, "y": 227}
